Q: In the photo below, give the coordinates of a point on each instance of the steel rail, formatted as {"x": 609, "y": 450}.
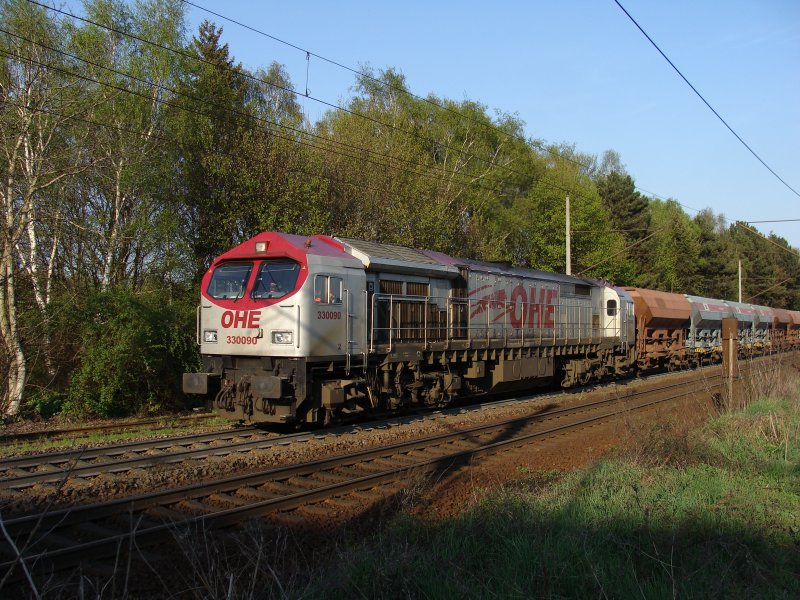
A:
{"x": 59, "y": 520}
{"x": 66, "y": 465}
{"x": 69, "y": 431}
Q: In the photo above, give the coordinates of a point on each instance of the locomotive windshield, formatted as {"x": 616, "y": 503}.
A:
{"x": 229, "y": 280}
{"x": 275, "y": 278}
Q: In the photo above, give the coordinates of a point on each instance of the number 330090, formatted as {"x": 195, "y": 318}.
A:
{"x": 242, "y": 339}
{"x": 329, "y": 315}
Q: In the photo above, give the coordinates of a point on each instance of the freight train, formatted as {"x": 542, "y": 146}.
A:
{"x": 297, "y": 329}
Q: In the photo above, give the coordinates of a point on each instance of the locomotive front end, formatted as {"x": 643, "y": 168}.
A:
{"x": 254, "y": 325}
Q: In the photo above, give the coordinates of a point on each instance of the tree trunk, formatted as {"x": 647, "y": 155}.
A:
{"x": 17, "y": 367}
{"x": 113, "y": 239}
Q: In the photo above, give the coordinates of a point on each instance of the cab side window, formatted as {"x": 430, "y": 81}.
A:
{"x": 327, "y": 289}
{"x": 611, "y": 308}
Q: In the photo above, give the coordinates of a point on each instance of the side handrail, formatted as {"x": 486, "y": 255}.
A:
{"x": 197, "y": 324}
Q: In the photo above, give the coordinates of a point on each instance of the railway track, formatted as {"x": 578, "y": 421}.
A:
{"x": 73, "y": 432}
{"x": 82, "y": 534}
{"x": 54, "y": 468}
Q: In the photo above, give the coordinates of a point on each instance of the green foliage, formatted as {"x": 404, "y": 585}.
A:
{"x": 531, "y": 230}
{"x": 131, "y": 352}
{"x": 630, "y": 216}
{"x": 142, "y": 164}
{"x": 771, "y": 272}
{"x": 716, "y": 266}
{"x": 44, "y": 403}
{"x": 726, "y": 527}
{"x": 672, "y": 251}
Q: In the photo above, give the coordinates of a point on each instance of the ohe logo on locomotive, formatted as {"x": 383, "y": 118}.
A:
{"x": 248, "y": 319}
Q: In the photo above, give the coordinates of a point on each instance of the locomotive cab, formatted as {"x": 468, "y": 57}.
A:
{"x": 273, "y": 310}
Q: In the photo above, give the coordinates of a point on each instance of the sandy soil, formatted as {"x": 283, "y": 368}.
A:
{"x": 563, "y": 453}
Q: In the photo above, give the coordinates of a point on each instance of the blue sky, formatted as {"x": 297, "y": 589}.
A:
{"x": 578, "y": 71}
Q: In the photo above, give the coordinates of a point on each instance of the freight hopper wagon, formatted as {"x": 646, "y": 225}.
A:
{"x": 680, "y": 331}
{"x": 751, "y": 330}
{"x": 662, "y": 329}
{"x": 314, "y": 329}
{"x": 704, "y": 340}
{"x": 786, "y": 330}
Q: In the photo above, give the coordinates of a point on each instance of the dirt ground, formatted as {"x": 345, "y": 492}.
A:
{"x": 308, "y": 532}
{"x": 564, "y": 452}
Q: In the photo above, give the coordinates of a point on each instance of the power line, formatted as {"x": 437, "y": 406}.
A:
{"x": 383, "y": 83}
{"x": 774, "y": 221}
{"x": 206, "y": 154}
{"x": 699, "y": 95}
{"x": 435, "y": 175}
{"x": 187, "y": 109}
{"x": 761, "y": 293}
{"x": 446, "y": 108}
{"x": 342, "y": 109}
{"x": 251, "y": 77}
{"x": 733, "y": 222}
{"x": 326, "y": 140}
{"x": 743, "y": 225}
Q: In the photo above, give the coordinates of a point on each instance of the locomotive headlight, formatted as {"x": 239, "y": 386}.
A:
{"x": 282, "y": 337}
{"x": 210, "y": 336}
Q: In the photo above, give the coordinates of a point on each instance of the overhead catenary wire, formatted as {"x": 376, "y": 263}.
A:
{"x": 109, "y": 126}
{"x": 548, "y": 184}
{"x": 382, "y": 83}
{"x": 434, "y": 174}
{"x": 340, "y": 181}
{"x": 360, "y": 186}
{"x": 295, "y": 92}
{"x": 769, "y": 289}
{"x": 251, "y": 77}
{"x": 774, "y": 221}
{"x": 185, "y": 108}
{"x": 366, "y": 75}
{"x": 732, "y": 222}
{"x": 699, "y": 95}
{"x": 340, "y": 108}
{"x": 745, "y": 227}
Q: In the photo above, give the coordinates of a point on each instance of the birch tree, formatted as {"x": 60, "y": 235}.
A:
{"x": 38, "y": 153}
{"x": 131, "y": 80}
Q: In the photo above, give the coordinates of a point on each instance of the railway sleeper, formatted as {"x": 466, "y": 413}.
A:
{"x": 194, "y": 506}
{"x": 227, "y": 499}
{"x": 368, "y": 495}
{"x": 317, "y": 509}
{"x": 303, "y": 483}
{"x": 281, "y": 488}
{"x": 328, "y": 477}
{"x": 259, "y": 493}
{"x": 166, "y": 514}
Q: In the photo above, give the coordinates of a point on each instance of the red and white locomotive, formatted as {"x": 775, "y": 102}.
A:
{"x": 313, "y": 329}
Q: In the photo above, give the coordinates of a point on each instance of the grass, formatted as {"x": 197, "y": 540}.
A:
{"x": 108, "y": 437}
{"x": 708, "y": 513}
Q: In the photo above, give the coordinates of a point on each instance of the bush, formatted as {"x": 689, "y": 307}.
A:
{"x": 132, "y": 350}
{"x": 44, "y": 403}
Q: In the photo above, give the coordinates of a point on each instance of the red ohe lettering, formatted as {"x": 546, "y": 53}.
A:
{"x": 518, "y": 296}
{"x": 249, "y": 319}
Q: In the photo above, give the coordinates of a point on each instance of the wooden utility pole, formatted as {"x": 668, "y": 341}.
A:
{"x": 730, "y": 351}
{"x": 740, "y": 280}
{"x": 569, "y": 243}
